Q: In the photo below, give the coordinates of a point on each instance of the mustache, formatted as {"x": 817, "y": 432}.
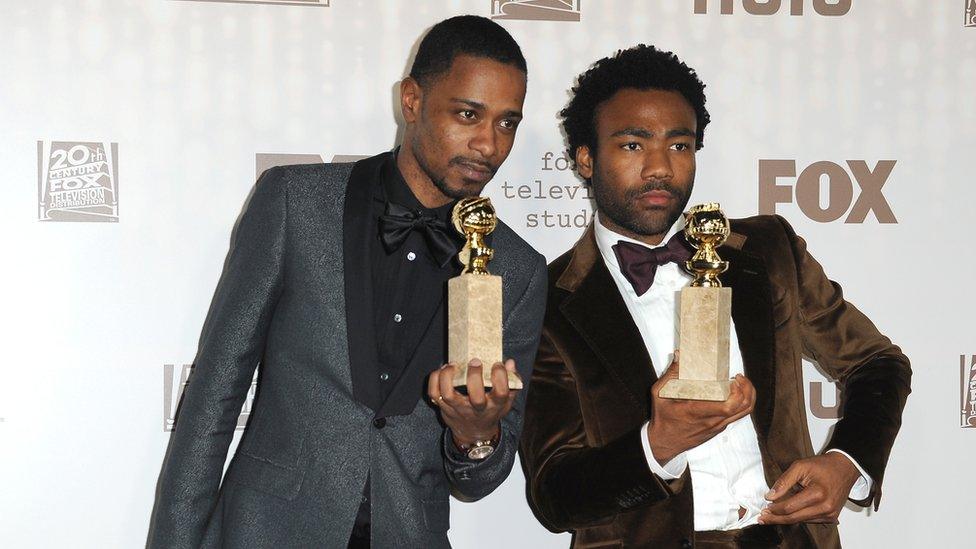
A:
{"x": 656, "y": 186}
{"x": 479, "y": 164}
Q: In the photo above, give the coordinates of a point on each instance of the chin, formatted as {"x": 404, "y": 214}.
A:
{"x": 463, "y": 189}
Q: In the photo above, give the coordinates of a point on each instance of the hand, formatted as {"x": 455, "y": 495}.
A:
{"x": 477, "y": 415}
{"x": 811, "y": 490}
{"x": 677, "y": 425}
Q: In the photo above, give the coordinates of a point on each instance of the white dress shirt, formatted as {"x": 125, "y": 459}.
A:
{"x": 726, "y": 471}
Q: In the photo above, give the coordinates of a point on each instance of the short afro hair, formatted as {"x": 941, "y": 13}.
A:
{"x": 463, "y": 35}
{"x": 641, "y": 67}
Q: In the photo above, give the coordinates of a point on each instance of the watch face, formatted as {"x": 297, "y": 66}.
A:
{"x": 480, "y": 452}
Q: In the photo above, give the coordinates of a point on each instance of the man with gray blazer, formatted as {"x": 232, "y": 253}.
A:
{"x": 335, "y": 284}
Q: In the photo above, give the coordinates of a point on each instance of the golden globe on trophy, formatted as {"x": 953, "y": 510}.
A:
{"x": 474, "y": 299}
{"x": 705, "y": 312}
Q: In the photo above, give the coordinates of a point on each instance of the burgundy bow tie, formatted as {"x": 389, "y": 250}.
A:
{"x": 639, "y": 263}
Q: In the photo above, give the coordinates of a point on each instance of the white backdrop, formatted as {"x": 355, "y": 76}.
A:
{"x": 149, "y": 116}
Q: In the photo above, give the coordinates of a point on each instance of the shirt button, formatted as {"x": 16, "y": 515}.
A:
{"x": 379, "y": 422}
{"x": 384, "y": 376}
{"x": 411, "y": 256}
{"x": 397, "y": 317}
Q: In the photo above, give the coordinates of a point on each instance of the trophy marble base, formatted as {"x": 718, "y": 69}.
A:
{"x": 474, "y": 313}
{"x": 705, "y": 319}
{"x": 696, "y": 389}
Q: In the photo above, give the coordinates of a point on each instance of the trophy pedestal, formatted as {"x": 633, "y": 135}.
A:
{"x": 474, "y": 312}
{"x": 705, "y": 319}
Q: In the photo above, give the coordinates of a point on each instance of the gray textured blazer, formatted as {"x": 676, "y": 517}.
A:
{"x": 297, "y": 478}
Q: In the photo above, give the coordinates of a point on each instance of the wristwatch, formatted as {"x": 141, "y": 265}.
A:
{"x": 479, "y": 449}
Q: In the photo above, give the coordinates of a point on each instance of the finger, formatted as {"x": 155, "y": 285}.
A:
{"x": 433, "y": 386}
{"x": 672, "y": 370}
{"x": 738, "y": 395}
{"x": 499, "y": 384}
{"x": 812, "y": 513}
{"x": 449, "y": 398}
{"x": 810, "y": 496}
{"x": 670, "y": 373}
{"x": 785, "y": 483}
{"x": 476, "y": 385}
{"x": 749, "y": 390}
{"x": 733, "y": 418}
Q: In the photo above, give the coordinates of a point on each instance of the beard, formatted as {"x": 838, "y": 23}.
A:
{"x": 622, "y": 209}
{"x": 466, "y": 188}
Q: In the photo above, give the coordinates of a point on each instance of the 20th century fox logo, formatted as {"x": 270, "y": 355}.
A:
{"x": 78, "y": 181}
{"x": 173, "y": 387}
{"x": 967, "y": 372}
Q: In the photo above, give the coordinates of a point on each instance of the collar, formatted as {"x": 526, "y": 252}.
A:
{"x": 394, "y": 189}
{"x": 586, "y": 251}
{"x": 606, "y": 238}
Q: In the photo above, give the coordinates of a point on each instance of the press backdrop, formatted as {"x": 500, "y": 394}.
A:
{"x": 131, "y": 132}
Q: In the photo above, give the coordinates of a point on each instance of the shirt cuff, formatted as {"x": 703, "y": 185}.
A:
{"x": 669, "y": 471}
{"x": 862, "y": 486}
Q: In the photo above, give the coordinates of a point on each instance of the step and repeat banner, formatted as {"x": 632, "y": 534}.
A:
{"x": 132, "y": 131}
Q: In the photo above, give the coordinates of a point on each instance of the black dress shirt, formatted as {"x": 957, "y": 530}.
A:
{"x": 404, "y": 281}
{"x": 408, "y": 286}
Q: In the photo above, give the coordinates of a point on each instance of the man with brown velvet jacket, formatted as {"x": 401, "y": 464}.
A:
{"x": 606, "y": 457}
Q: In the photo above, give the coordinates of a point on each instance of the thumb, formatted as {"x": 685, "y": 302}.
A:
{"x": 672, "y": 371}
{"x": 785, "y": 482}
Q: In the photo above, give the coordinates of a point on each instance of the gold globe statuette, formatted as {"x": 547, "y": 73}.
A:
{"x": 475, "y": 219}
{"x": 705, "y": 314}
{"x": 474, "y": 311}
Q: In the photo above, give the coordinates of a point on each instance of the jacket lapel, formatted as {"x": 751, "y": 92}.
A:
{"x": 599, "y": 314}
{"x": 753, "y": 318}
{"x": 357, "y": 228}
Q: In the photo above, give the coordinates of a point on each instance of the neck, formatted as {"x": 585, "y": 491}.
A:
{"x": 417, "y": 179}
{"x": 649, "y": 239}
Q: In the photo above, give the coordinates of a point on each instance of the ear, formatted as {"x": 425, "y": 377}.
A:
{"x": 411, "y": 96}
{"x": 584, "y": 162}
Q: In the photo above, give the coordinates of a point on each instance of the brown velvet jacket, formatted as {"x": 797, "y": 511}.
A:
{"x": 590, "y": 390}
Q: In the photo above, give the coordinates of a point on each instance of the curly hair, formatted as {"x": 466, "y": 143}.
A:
{"x": 641, "y": 67}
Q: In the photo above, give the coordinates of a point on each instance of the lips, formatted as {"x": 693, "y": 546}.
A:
{"x": 475, "y": 172}
{"x": 655, "y": 198}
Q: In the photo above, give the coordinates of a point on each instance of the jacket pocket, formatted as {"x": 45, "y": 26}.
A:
{"x": 437, "y": 515}
{"x": 266, "y": 477}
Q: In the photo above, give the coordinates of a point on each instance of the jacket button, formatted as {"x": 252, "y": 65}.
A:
{"x": 379, "y": 422}
{"x": 686, "y": 544}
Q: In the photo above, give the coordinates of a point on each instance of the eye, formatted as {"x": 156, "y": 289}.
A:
{"x": 681, "y": 146}
{"x": 509, "y": 124}
{"x": 467, "y": 114}
{"x": 632, "y": 146}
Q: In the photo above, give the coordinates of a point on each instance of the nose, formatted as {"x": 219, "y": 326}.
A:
{"x": 657, "y": 166}
{"x": 485, "y": 141}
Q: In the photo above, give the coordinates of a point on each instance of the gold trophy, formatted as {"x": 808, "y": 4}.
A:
{"x": 474, "y": 299}
{"x": 705, "y": 316}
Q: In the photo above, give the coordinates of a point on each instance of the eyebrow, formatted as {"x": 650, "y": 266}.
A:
{"x": 647, "y": 134}
{"x": 482, "y": 107}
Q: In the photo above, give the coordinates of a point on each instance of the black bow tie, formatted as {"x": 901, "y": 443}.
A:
{"x": 639, "y": 263}
{"x": 397, "y": 223}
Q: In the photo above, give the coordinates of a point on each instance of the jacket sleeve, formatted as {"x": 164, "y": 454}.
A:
{"x": 231, "y": 345}
{"x": 571, "y": 483}
{"x": 874, "y": 374}
{"x": 473, "y": 480}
